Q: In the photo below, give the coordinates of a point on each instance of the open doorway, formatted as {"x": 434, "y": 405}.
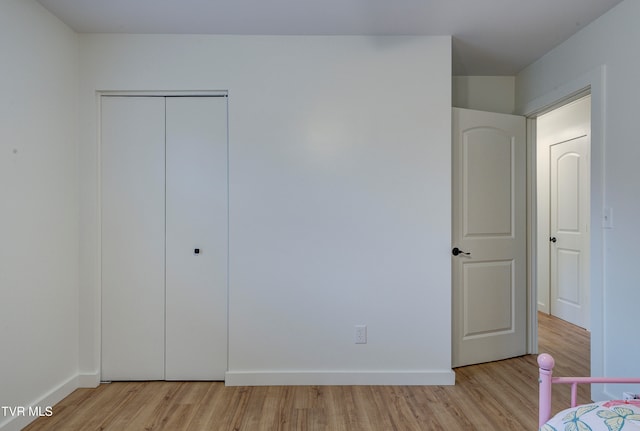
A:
{"x": 591, "y": 82}
{"x": 563, "y": 143}
{"x": 563, "y": 224}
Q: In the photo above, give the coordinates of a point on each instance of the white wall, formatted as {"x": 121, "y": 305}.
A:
{"x": 38, "y": 208}
{"x": 339, "y": 176}
{"x": 485, "y": 93}
{"x": 609, "y": 44}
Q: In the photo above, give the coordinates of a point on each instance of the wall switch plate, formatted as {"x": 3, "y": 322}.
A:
{"x": 361, "y": 334}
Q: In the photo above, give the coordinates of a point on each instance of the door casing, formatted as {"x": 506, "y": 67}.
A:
{"x": 591, "y": 82}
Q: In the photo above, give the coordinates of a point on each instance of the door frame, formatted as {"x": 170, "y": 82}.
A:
{"x": 592, "y": 82}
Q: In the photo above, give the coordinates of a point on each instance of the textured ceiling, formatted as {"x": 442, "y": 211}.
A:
{"x": 490, "y": 37}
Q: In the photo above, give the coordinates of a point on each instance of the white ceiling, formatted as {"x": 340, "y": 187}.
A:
{"x": 490, "y": 37}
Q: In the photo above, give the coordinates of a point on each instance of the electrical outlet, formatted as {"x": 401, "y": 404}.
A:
{"x": 361, "y": 334}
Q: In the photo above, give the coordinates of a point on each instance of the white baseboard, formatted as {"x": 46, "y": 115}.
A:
{"x": 323, "y": 378}
{"x": 608, "y": 391}
{"x": 89, "y": 380}
{"x": 16, "y": 423}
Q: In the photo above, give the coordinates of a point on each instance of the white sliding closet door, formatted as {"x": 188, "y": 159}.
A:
{"x": 133, "y": 225}
{"x": 164, "y": 238}
{"x": 196, "y": 265}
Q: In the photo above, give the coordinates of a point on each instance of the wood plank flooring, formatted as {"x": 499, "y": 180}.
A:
{"x": 494, "y": 396}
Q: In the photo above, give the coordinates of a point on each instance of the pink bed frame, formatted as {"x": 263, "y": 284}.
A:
{"x": 546, "y": 363}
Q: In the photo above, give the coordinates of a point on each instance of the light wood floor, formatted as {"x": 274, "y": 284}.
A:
{"x": 495, "y": 396}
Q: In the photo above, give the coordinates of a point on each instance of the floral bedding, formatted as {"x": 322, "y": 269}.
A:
{"x": 616, "y": 415}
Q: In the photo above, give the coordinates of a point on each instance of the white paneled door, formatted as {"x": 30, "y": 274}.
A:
{"x": 569, "y": 205}
{"x": 489, "y": 237}
{"x": 164, "y": 238}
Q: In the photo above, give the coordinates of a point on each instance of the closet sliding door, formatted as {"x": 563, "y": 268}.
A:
{"x": 164, "y": 238}
{"x": 196, "y": 266}
{"x": 133, "y": 226}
